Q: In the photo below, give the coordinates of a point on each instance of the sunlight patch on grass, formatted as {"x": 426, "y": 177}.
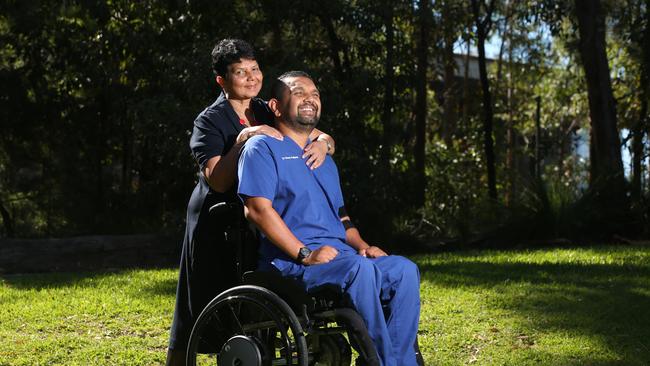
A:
{"x": 568, "y": 306}
{"x": 528, "y": 307}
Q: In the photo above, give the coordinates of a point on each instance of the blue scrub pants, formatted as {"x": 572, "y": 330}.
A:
{"x": 385, "y": 291}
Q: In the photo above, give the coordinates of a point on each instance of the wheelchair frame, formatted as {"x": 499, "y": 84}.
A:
{"x": 270, "y": 320}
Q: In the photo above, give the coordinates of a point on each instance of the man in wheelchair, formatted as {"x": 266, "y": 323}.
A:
{"x": 306, "y": 235}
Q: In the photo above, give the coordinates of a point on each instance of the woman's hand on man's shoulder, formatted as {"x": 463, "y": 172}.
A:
{"x": 249, "y": 132}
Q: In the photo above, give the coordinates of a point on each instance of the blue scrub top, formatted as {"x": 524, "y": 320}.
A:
{"x": 307, "y": 200}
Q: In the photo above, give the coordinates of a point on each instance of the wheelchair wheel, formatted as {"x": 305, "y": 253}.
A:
{"x": 334, "y": 350}
{"x": 247, "y": 325}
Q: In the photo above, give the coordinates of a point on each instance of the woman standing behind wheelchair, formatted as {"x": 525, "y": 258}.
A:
{"x": 207, "y": 264}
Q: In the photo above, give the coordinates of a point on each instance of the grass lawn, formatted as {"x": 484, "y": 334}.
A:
{"x": 524, "y": 307}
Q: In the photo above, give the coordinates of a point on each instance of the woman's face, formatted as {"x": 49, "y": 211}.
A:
{"x": 243, "y": 81}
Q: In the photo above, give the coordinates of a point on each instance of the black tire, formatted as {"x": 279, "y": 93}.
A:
{"x": 333, "y": 350}
{"x": 260, "y": 316}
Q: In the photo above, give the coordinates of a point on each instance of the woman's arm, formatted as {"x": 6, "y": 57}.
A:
{"x": 221, "y": 171}
{"x": 322, "y": 145}
{"x": 318, "y": 135}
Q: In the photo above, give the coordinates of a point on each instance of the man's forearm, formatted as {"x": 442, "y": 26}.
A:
{"x": 261, "y": 213}
{"x": 353, "y": 237}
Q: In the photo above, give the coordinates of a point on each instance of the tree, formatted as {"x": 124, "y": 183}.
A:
{"x": 96, "y": 100}
{"x": 450, "y": 13}
{"x": 389, "y": 81}
{"x": 633, "y": 30}
{"x": 605, "y": 147}
{"x": 483, "y": 26}
{"x": 421, "y": 100}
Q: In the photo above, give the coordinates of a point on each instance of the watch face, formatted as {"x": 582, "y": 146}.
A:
{"x": 304, "y": 253}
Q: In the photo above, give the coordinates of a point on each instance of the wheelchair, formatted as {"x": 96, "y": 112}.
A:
{"x": 270, "y": 320}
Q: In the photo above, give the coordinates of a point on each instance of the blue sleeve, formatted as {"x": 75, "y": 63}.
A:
{"x": 257, "y": 172}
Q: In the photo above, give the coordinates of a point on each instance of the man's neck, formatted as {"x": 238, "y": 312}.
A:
{"x": 300, "y": 137}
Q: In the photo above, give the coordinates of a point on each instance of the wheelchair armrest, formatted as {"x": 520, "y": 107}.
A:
{"x": 223, "y": 207}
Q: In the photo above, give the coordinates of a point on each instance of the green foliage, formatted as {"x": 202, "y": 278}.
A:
{"x": 550, "y": 209}
{"x": 97, "y": 101}
{"x": 88, "y": 121}
{"x": 571, "y": 306}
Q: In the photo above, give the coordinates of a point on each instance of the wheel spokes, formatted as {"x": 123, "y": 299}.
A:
{"x": 227, "y": 319}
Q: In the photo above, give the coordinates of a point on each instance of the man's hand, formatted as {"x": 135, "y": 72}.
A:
{"x": 372, "y": 252}
{"x": 321, "y": 255}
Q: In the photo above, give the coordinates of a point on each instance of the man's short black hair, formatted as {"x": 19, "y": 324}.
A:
{"x": 279, "y": 86}
{"x": 230, "y": 51}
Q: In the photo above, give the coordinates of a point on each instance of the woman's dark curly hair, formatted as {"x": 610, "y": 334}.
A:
{"x": 230, "y": 51}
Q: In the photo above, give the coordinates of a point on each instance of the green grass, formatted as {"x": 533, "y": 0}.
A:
{"x": 86, "y": 319}
{"x": 525, "y": 307}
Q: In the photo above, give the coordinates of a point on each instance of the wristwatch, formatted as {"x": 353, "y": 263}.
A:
{"x": 329, "y": 146}
{"x": 303, "y": 253}
{"x": 327, "y": 143}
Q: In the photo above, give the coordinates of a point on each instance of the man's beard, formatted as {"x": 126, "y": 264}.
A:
{"x": 304, "y": 124}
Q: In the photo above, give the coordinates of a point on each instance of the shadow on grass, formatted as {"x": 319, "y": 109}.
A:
{"x": 607, "y": 301}
{"x": 43, "y": 281}
{"x": 112, "y": 279}
{"x": 164, "y": 288}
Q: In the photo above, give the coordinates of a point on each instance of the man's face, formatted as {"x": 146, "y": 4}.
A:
{"x": 300, "y": 103}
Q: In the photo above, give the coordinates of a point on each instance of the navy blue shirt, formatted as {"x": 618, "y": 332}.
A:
{"x": 307, "y": 200}
{"x": 216, "y": 128}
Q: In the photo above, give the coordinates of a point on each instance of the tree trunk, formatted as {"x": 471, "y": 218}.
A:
{"x": 127, "y": 153}
{"x": 336, "y": 46}
{"x": 482, "y": 29}
{"x": 7, "y": 221}
{"x": 99, "y": 156}
{"x": 606, "y": 163}
{"x": 502, "y": 131}
{"x": 389, "y": 80}
{"x": 610, "y": 212}
{"x": 505, "y": 35}
{"x": 421, "y": 103}
{"x": 638, "y": 133}
{"x": 465, "y": 109}
{"x": 641, "y": 127}
{"x": 538, "y": 133}
{"x": 511, "y": 167}
{"x": 449, "y": 83}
